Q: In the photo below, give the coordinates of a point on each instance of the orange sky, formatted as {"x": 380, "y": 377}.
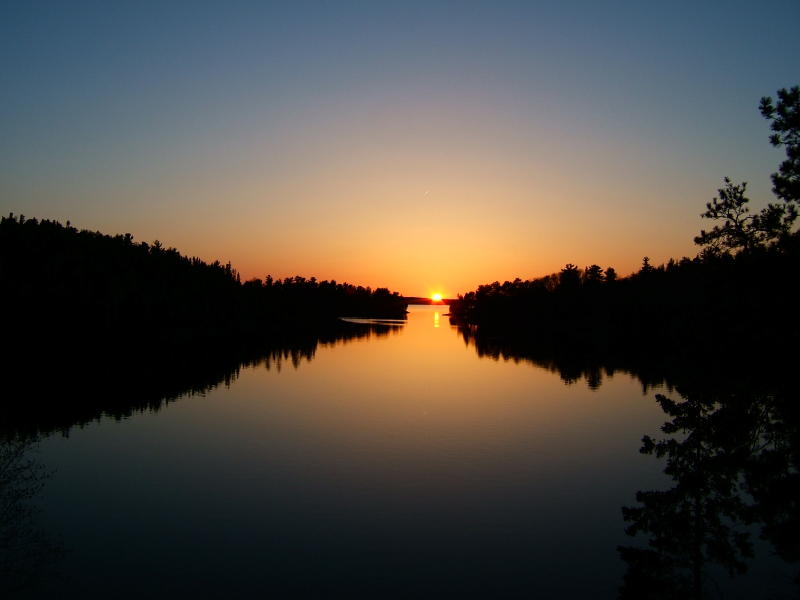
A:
{"x": 410, "y": 145}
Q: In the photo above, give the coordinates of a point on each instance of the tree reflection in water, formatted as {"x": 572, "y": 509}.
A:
{"x": 733, "y": 457}
{"x": 69, "y": 386}
{"x": 74, "y": 386}
{"x": 732, "y": 450}
{"x": 27, "y": 554}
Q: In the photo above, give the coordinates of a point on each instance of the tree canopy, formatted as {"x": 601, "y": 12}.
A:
{"x": 785, "y": 117}
{"x": 740, "y": 230}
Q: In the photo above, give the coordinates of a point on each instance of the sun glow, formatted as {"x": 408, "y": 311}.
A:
{"x": 437, "y": 297}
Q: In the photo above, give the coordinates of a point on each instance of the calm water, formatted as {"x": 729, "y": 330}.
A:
{"x": 395, "y": 465}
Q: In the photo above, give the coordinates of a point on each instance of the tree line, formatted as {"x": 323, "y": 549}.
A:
{"x": 739, "y": 289}
{"x": 62, "y": 284}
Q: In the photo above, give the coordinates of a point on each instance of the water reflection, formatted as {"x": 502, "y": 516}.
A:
{"x": 27, "y": 553}
{"x": 731, "y": 449}
{"x": 73, "y": 388}
{"x": 402, "y": 467}
{"x": 411, "y": 467}
{"x": 571, "y": 361}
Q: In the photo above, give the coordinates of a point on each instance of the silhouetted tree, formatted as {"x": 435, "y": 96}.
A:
{"x": 741, "y": 231}
{"x": 727, "y": 294}
{"x": 785, "y": 117}
{"x": 57, "y": 280}
{"x": 593, "y": 275}
{"x": 569, "y": 278}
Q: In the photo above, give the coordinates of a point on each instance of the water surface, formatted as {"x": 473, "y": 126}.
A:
{"x": 401, "y": 464}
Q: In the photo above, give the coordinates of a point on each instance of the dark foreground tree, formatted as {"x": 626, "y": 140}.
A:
{"x": 740, "y": 230}
{"x": 785, "y": 117}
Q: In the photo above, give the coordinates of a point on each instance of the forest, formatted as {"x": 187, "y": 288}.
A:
{"x": 138, "y": 324}
{"x": 738, "y": 292}
{"x": 62, "y": 286}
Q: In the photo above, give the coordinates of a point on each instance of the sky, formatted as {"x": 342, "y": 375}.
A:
{"x": 421, "y": 146}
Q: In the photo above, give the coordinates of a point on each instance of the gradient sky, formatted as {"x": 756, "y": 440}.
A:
{"x": 421, "y": 146}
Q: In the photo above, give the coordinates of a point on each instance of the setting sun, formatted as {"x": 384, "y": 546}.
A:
{"x": 437, "y": 297}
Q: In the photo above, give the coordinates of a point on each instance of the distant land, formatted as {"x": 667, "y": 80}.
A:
{"x": 423, "y": 300}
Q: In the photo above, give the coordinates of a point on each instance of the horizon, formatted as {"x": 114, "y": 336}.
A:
{"x": 424, "y": 148}
{"x": 429, "y": 298}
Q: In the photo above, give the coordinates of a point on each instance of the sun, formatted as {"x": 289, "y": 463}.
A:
{"x": 437, "y": 297}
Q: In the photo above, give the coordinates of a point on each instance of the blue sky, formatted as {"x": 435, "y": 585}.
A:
{"x": 306, "y": 136}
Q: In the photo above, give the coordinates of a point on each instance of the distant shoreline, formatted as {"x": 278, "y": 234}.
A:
{"x": 421, "y": 300}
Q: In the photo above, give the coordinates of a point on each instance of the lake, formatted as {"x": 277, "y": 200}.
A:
{"x": 396, "y": 463}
